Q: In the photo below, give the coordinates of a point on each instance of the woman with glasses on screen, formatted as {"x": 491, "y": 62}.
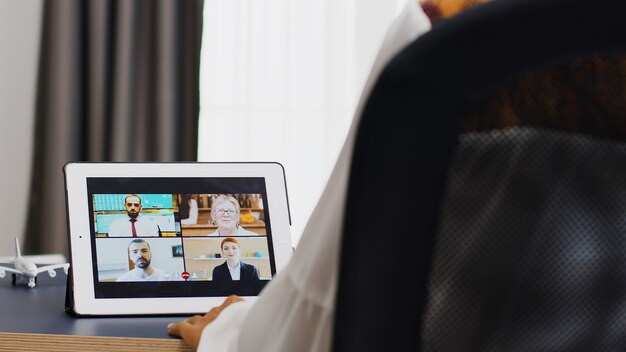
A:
{"x": 225, "y": 214}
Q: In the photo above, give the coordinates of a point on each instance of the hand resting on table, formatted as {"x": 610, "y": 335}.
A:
{"x": 191, "y": 328}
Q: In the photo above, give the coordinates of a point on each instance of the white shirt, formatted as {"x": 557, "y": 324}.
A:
{"x": 137, "y": 274}
{"x": 240, "y": 232}
{"x": 122, "y": 227}
{"x": 235, "y": 274}
{"x": 295, "y": 311}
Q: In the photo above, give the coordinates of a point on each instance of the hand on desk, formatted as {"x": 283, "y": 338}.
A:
{"x": 190, "y": 329}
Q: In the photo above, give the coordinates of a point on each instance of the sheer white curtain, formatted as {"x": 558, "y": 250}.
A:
{"x": 280, "y": 80}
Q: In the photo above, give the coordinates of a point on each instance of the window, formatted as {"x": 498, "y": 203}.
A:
{"x": 280, "y": 80}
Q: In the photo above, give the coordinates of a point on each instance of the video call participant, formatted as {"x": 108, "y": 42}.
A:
{"x": 188, "y": 208}
{"x": 225, "y": 214}
{"x": 233, "y": 269}
{"x": 133, "y": 225}
{"x": 140, "y": 254}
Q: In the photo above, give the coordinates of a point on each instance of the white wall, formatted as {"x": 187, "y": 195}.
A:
{"x": 20, "y": 25}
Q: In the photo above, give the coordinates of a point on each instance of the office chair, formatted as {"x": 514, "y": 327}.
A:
{"x": 486, "y": 203}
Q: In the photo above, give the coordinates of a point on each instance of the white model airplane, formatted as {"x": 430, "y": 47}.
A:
{"x": 24, "y": 268}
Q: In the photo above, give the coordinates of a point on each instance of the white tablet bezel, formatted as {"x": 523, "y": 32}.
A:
{"x": 76, "y": 175}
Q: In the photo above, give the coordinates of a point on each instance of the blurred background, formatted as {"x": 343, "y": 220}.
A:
{"x": 160, "y": 80}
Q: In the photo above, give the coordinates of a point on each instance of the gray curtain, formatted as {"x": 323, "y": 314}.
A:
{"x": 118, "y": 81}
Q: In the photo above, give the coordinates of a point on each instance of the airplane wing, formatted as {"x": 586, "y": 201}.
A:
{"x": 4, "y": 269}
{"x": 38, "y": 259}
{"x": 46, "y": 259}
{"x": 50, "y": 269}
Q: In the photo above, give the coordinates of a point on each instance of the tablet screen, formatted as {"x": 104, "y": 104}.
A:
{"x": 180, "y": 237}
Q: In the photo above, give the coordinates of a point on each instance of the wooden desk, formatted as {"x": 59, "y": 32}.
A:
{"x": 69, "y": 343}
{"x": 35, "y": 319}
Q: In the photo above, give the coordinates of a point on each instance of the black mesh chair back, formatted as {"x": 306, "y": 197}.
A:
{"x": 486, "y": 207}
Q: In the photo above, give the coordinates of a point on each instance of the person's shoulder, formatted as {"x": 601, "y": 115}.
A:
{"x": 147, "y": 221}
{"x": 116, "y": 228}
{"x": 246, "y": 266}
{"x": 127, "y": 276}
{"x": 220, "y": 272}
{"x": 243, "y": 231}
{"x": 159, "y": 275}
{"x": 220, "y": 268}
{"x": 249, "y": 272}
{"x": 159, "y": 271}
{"x": 118, "y": 222}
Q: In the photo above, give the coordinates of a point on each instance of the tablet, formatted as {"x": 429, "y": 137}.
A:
{"x": 173, "y": 238}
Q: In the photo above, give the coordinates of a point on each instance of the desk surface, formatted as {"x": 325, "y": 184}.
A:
{"x": 69, "y": 343}
{"x": 41, "y": 310}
